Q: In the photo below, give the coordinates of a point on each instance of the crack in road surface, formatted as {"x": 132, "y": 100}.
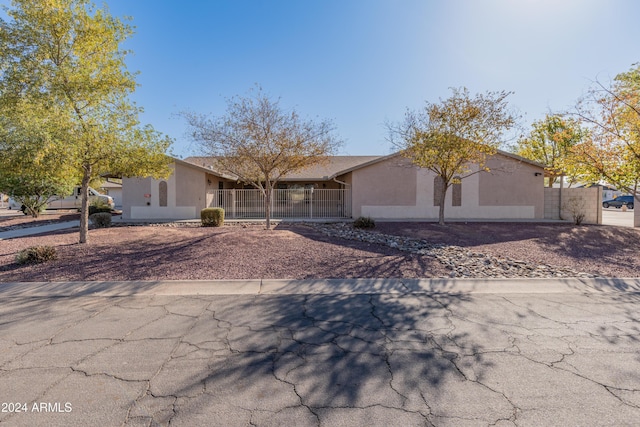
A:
{"x": 323, "y": 360}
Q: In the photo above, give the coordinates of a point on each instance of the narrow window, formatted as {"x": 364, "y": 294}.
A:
{"x": 437, "y": 190}
{"x": 457, "y": 192}
{"x": 163, "y": 193}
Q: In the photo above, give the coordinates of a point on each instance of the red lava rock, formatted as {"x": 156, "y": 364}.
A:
{"x": 295, "y": 251}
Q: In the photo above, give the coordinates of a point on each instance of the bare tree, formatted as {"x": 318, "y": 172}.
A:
{"x": 260, "y": 143}
{"x": 449, "y": 137}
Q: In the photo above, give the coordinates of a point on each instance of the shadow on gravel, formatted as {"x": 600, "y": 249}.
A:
{"x": 362, "y": 259}
{"x": 483, "y": 233}
{"x": 617, "y": 246}
{"x": 158, "y": 253}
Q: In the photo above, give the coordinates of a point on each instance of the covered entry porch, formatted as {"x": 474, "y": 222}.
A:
{"x": 303, "y": 203}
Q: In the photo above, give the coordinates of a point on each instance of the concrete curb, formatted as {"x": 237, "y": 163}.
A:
{"x": 320, "y": 287}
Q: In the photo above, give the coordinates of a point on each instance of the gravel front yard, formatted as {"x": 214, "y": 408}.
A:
{"x": 297, "y": 251}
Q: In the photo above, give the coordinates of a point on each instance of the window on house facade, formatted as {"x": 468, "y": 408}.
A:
{"x": 162, "y": 187}
{"x": 438, "y": 187}
{"x": 457, "y": 192}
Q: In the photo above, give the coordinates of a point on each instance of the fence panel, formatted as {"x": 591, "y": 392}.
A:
{"x": 285, "y": 203}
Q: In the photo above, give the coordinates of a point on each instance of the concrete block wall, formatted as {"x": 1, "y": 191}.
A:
{"x": 551, "y": 203}
{"x": 589, "y": 200}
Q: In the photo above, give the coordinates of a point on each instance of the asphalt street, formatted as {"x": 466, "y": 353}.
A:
{"x": 613, "y": 216}
{"x": 321, "y": 353}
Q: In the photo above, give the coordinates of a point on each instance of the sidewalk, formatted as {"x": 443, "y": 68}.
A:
{"x": 185, "y": 288}
{"x": 46, "y": 228}
{"x": 38, "y": 229}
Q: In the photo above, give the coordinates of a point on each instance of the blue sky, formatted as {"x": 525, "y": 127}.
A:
{"x": 363, "y": 62}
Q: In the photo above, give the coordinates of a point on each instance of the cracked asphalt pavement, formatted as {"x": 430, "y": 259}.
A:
{"x": 323, "y": 353}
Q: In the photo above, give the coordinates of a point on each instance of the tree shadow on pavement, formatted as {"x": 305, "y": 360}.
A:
{"x": 328, "y": 353}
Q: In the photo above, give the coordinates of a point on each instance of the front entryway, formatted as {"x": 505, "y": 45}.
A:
{"x": 285, "y": 203}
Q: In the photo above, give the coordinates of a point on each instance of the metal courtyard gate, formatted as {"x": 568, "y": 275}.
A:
{"x": 285, "y": 203}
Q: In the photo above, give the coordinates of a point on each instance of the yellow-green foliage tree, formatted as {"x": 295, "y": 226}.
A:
{"x": 259, "y": 143}
{"x": 612, "y": 115}
{"x": 454, "y": 138}
{"x": 32, "y": 164}
{"x": 550, "y": 142}
{"x": 63, "y": 57}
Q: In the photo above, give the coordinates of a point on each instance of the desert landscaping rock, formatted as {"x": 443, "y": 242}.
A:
{"x": 246, "y": 250}
{"x": 460, "y": 261}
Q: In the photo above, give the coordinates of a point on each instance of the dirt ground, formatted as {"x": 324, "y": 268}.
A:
{"x": 296, "y": 251}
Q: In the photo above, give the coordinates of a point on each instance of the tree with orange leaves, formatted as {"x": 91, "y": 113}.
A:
{"x": 455, "y": 137}
{"x": 550, "y": 142}
{"x": 612, "y": 150}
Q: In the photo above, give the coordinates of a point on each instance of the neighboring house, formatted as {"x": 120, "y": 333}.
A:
{"x": 383, "y": 187}
{"x": 113, "y": 189}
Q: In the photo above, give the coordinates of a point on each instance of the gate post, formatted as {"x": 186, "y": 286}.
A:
{"x": 233, "y": 203}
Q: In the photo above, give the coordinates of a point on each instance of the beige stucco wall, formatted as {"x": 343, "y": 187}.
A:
{"x": 512, "y": 183}
{"x": 181, "y": 203}
{"x": 191, "y": 186}
{"x": 392, "y": 189}
{"x": 387, "y": 183}
{"x": 133, "y": 194}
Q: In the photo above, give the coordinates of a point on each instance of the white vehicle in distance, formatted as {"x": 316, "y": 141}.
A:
{"x": 73, "y": 201}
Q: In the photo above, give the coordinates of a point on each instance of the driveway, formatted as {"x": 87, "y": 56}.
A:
{"x": 321, "y": 353}
{"x": 613, "y": 216}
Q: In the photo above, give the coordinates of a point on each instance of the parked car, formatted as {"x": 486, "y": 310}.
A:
{"x": 72, "y": 201}
{"x": 618, "y": 202}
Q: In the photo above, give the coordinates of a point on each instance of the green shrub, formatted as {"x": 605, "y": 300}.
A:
{"x": 212, "y": 217}
{"x": 36, "y": 255}
{"x": 100, "y": 219}
{"x": 364, "y": 222}
{"x": 97, "y": 206}
{"x": 98, "y": 209}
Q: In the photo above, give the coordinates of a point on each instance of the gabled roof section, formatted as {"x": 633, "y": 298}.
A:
{"x": 520, "y": 158}
{"x": 331, "y": 168}
{"x": 208, "y": 168}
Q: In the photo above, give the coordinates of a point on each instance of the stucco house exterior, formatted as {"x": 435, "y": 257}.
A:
{"x": 395, "y": 189}
{"x": 382, "y": 187}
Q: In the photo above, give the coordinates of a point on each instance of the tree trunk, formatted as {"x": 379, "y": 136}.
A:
{"x": 267, "y": 205}
{"x": 84, "y": 211}
{"x": 443, "y": 195}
